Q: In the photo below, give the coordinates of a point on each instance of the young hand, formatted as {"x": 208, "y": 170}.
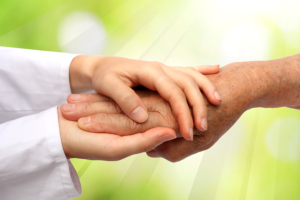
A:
{"x": 114, "y": 77}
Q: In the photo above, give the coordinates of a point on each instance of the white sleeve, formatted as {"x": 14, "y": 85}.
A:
{"x": 33, "y": 163}
{"x": 32, "y": 160}
{"x": 32, "y": 81}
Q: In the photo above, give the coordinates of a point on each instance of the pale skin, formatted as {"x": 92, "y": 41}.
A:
{"x": 114, "y": 77}
{"x": 119, "y": 75}
{"x": 244, "y": 85}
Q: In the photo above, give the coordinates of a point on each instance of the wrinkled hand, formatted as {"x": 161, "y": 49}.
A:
{"x": 95, "y": 146}
{"x": 106, "y": 116}
{"x": 114, "y": 77}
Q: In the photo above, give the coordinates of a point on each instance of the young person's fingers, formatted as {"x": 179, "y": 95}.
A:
{"x": 153, "y": 78}
{"x": 204, "y": 84}
{"x": 208, "y": 69}
{"x": 131, "y": 104}
{"x": 141, "y": 142}
{"x": 169, "y": 90}
{"x": 203, "y": 69}
{"x": 74, "y": 112}
{"x": 193, "y": 95}
{"x": 94, "y": 146}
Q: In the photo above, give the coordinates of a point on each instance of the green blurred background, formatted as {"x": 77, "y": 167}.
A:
{"x": 258, "y": 158}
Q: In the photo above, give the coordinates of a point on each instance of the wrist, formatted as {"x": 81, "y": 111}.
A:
{"x": 81, "y": 72}
{"x": 63, "y": 128}
{"x": 277, "y": 82}
{"x": 238, "y": 84}
{"x": 261, "y": 80}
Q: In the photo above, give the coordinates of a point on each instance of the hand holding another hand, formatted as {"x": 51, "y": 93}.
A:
{"x": 114, "y": 77}
{"x": 105, "y": 115}
{"x": 94, "y": 146}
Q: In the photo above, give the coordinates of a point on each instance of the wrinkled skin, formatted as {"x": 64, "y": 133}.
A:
{"x": 242, "y": 86}
{"x": 220, "y": 118}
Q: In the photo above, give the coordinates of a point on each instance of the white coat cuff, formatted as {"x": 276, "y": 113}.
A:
{"x": 65, "y": 73}
{"x": 69, "y": 177}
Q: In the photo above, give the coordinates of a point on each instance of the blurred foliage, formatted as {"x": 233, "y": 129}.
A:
{"x": 178, "y": 32}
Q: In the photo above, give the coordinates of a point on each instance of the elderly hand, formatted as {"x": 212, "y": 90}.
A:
{"x": 94, "y": 146}
{"x": 106, "y": 116}
{"x": 242, "y": 86}
{"x": 114, "y": 77}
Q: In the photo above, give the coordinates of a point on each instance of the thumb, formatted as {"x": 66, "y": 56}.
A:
{"x": 142, "y": 142}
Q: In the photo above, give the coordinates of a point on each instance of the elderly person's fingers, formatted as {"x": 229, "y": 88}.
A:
{"x": 208, "y": 88}
{"x": 102, "y": 146}
{"x": 179, "y": 149}
{"x": 107, "y": 117}
{"x": 118, "y": 124}
{"x": 80, "y": 98}
{"x": 76, "y": 111}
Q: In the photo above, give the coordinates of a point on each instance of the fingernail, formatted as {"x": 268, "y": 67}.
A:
{"x": 68, "y": 107}
{"x": 74, "y": 97}
{"x": 218, "y": 96}
{"x": 192, "y": 134}
{"x": 85, "y": 120}
{"x": 168, "y": 137}
{"x": 139, "y": 114}
{"x": 153, "y": 154}
{"x": 204, "y": 123}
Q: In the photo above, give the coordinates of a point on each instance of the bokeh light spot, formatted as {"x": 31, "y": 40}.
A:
{"x": 81, "y": 32}
{"x": 245, "y": 42}
{"x": 283, "y": 139}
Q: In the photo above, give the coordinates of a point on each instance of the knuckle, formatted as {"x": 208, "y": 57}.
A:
{"x": 179, "y": 110}
{"x": 157, "y": 64}
{"x": 190, "y": 81}
{"x": 162, "y": 79}
{"x": 90, "y": 97}
{"x": 192, "y": 69}
{"x": 153, "y": 65}
{"x": 165, "y": 116}
{"x": 206, "y": 148}
{"x": 107, "y": 77}
{"x": 174, "y": 159}
{"x": 131, "y": 126}
{"x": 204, "y": 139}
{"x": 180, "y": 100}
{"x": 125, "y": 99}
{"x": 95, "y": 125}
{"x": 69, "y": 98}
{"x": 115, "y": 107}
{"x": 88, "y": 107}
{"x": 177, "y": 94}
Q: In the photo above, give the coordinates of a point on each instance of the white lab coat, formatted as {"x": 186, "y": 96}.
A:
{"x": 32, "y": 161}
